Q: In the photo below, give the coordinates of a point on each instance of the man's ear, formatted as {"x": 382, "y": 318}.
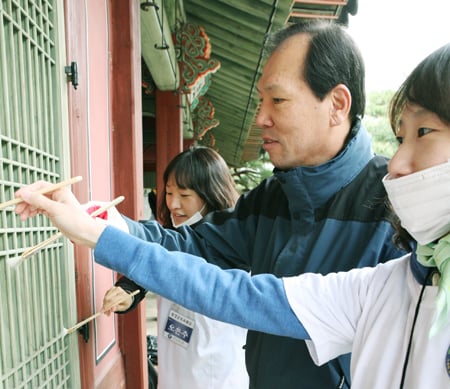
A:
{"x": 341, "y": 102}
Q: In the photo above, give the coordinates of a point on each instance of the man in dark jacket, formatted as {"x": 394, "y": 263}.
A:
{"x": 323, "y": 209}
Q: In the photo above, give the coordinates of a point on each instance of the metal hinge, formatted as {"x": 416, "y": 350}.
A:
{"x": 72, "y": 73}
{"x": 84, "y": 332}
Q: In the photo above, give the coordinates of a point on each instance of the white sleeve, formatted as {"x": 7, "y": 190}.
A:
{"x": 329, "y": 308}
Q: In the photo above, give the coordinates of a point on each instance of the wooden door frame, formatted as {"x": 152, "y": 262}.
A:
{"x": 126, "y": 173}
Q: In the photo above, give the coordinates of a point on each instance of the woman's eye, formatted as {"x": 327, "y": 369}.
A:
{"x": 424, "y": 130}
{"x": 277, "y": 100}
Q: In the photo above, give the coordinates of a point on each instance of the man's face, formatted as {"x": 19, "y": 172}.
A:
{"x": 295, "y": 124}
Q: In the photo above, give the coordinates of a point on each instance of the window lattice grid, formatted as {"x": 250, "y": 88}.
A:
{"x": 32, "y": 309}
{"x": 34, "y": 352}
{"x": 27, "y": 59}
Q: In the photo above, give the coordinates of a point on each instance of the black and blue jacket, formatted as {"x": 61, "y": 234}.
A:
{"x": 322, "y": 219}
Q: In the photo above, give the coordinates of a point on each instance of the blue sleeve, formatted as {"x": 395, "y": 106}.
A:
{"x": 229, "y": 238}
{"x": 255, "y": 302}
{"x": 226, "y": 252}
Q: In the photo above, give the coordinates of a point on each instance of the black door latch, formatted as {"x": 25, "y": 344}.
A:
{"x": 72, "y": 73}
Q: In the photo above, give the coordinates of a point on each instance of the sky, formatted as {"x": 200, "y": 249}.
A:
{"x": 395, "y": 35}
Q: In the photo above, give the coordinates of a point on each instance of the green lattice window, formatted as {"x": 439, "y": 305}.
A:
{"x": 37, "y": 297}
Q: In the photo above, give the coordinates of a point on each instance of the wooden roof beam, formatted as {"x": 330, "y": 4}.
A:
{"x": 312, "y": 16}
{"x": 322, "y": 2}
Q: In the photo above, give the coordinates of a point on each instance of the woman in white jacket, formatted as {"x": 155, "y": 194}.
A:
{"x": 194, "y": 351}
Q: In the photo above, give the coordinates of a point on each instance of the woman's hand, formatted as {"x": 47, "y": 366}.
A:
{"x": 63, "y": 210}
{"x": 116, "y": 300}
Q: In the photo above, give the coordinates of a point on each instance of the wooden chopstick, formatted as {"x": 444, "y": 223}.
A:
{"x": 97, "y": 212}
{"x": 49, "y": 189}
{"x": 83, "y": 322}
{"x": 41, "y": 245}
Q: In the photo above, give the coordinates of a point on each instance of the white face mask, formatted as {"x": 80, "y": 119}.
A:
{"x": 422, "y": 202}
{"x": 197, "y": 216}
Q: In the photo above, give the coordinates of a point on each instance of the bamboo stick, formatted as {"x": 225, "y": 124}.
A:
{"x": 95, "y": 315}
{"x": 49, "y": 189}
{"x": 13, "y": 262}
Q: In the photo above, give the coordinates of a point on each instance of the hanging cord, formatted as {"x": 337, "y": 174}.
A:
{"x": 144, "y": 6}
{"x": 164, "y": 45}
{"x": 416, "y": 314}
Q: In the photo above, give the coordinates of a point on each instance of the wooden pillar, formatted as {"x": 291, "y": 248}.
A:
{"x": 169, "y": 132}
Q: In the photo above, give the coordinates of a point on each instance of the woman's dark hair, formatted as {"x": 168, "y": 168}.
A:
{"x": 332, "y": 59}
{"x": 428, "y": 86}
{"x": 204, "y": 171}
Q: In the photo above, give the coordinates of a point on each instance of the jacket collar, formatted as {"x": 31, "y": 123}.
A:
{"x": 322, "y": 181}
{"x": 421, "y": 273}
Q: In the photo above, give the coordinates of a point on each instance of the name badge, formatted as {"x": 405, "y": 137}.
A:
{"x": 178, "y": 328}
